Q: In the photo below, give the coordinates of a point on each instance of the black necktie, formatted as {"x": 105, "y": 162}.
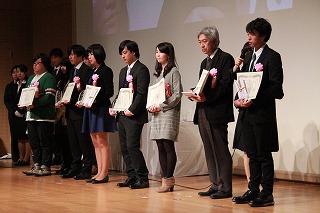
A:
{"x": 75, "y": 72}
{"x": 208, "y": 63}
{"x": 252, "y": 62}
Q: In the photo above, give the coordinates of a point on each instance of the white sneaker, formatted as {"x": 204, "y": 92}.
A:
{"x": 7, "y": 156}
{"x": 44, "y": 171}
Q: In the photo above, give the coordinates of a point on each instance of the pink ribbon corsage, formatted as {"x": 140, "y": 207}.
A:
{"x": 129, "y": 79}
{"x": 213, "y": 72}
{"x": 258, "y": 67}
{"x": 95, "y": 79}
{"x": 76, "y": 80}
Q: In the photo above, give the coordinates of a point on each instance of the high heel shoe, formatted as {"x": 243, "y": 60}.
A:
{"x": 104, "y": 180}
{"x": 167, "y": 185}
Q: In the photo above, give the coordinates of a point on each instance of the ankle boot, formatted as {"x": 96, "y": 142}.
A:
{"x": 167, "y": 185}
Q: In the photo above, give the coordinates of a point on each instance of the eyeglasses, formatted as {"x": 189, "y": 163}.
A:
{"x": 36, "y": 63}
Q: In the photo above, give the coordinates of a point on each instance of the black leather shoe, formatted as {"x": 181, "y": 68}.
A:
{"x": 70, "y": 174}
{"x": 82, "y": 176}
{"x": 262, "y": 200}
{"x": 128, "y": 182}
{"x": 246, "y": 197}
{"x": 140, "y": 184}
{"x": 104, "y": 180}
{"x": 90, "y": 180}
{"x": 63, "y": 170}
{"x": 208, "y": 193}
{"x": 221, "y": 195}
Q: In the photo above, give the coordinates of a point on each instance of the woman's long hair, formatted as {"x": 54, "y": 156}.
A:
{"x": 168, "y": 49}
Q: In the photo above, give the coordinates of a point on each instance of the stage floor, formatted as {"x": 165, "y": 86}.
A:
{"x": 20, "y": 193}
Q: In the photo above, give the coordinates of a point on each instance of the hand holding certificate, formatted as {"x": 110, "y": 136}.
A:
{"x": 156, "y": 93}
{"x": 68, "y": 92}
{"x": 27, "y": 96}
{"x": 251, "y": 81}
{"x": 241, "y": 89}
{"x": 200, "y": 85}
{"x": 123, "y": 100}
{"x": 87, "y": 97}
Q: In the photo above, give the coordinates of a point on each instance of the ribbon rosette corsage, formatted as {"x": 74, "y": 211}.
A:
{"x": 95, "y": 79}
{"x": 167, "y": 89}
{"x": 258, "y": 67}
{"x": 36, "y": 84}
{"x": 76, "y": 80}
{"x": 213, "y": 72}
{"x": 129, "y": 79}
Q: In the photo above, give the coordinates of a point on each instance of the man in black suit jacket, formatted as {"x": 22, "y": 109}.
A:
{"x": 131, "y": 120}
{"x": 259, "y": 129}
{"x": 56, "y": 56}
{"x": 10, "y": 100}
{"x": 80, "y": 143}
{"x": 213, "y": 113}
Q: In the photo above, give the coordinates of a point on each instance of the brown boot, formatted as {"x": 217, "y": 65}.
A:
{"x": 167, "y": 185}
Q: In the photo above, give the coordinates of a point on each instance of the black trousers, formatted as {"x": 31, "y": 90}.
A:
{"x": 130, "y": 135}
{"x": 64, "y": 145}
{"x": 257, "y": 138}
{"x": 80, "y": 145}
{"x": 261, "y": 172}
{"x": 14, "y": 140}
{"x": 40, "y": 137}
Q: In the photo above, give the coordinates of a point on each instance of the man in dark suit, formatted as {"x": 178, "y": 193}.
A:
{"x": 80, "y": 143}
{"x": 56, "y": 56}
{"x": 131, "y": 120}
{"x": 10, "y": 100}
{"x": 213, "y": 113}
{"x": 259, "y": 129}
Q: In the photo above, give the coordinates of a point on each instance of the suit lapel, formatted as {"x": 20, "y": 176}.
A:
{"x": 122, "y": 77}
{"x": 215, "y": 59}
{"x": 263, "y": 54}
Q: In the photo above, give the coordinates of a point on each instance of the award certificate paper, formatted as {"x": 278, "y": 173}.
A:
{"x": 156, "y": 93}
{"x": 123, "y": 100}
{"x": 27, "y": 95}
{"x": 189, "y": 94}
{"x": 202, "y": 81}
{"x": 252, "y": 81}
{"x": 241, "y": 89}
{"x": 89, "y": 95}
{"x": 198, "y": 89}
{"x": 68, "y": 92}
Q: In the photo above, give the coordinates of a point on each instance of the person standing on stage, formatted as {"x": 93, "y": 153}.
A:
{"x": 259, "y": 123}
{"x": 214, "y": 111}
{"x": 165, "y": 119}
{"x": 130, "y": 121}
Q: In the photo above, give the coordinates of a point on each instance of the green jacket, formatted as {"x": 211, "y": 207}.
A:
{"x": 44, "y": 104}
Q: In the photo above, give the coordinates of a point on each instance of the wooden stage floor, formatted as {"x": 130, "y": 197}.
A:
{"x": 20, "y": 193}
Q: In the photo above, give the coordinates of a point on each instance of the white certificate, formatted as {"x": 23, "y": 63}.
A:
{"x": 123, "y": 100}
{"x": 189, "y": 94}
{"x": 156, "y": 93}
{"x": 27, "y": 96}
{"x": 68, "y": 92}
{"x": 202, "y": 81}
{"x": 241, "y": 89}
{"x": 89, "y": 95}
{"x": 252, "y": 81}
